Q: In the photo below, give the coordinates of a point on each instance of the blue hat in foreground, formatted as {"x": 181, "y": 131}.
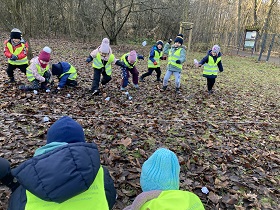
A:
{"x": 65, "y": 130}
{"x": 160, "y": 171}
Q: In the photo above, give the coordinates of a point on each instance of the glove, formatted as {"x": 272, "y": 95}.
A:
{"x": 155, "y": 63}
{"x": 89, "y": 59}
{"x": 141, "y": 57}
{"x": 178, "y": 62}
{"x": 162, "y": 58}
{"x": 55, "y": 91}
{"x": 169, "y": 41}
{"x": 14, "y": 58}
{"x": 121, "y": 64}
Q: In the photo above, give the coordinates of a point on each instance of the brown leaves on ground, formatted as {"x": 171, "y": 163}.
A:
{"x": 227, "y": 141}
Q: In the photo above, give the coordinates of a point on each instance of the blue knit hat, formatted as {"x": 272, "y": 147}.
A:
{"x": 179, "y": 38}
{"x": 160, "y": 171}
{"x": 65, "y": 130}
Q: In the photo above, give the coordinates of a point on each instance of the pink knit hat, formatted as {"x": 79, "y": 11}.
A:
{"x": 132, "y": 56}
{"x": 105, "y": 46}
{"x": 45, "y": 54}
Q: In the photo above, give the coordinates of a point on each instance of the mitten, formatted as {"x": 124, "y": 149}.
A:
{"x": 121, "y": 64}
{"x": 141, "y": 57}
{"x": 89, "y": 59}
{"x": 55, "y": 91}
{"x": 169, "y": 41}
{"x": 155, "y": 63}
{"x": 14, "y": 58}
{"x": 178, "y": 62}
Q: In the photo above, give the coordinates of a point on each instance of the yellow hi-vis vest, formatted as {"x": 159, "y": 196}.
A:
{"x": 73, "y": 73}
{"x": 174, "y": 199}
{"x": 17, "y": 52}
{"x": 156, "y": 57}
{"x": 40, "y": 70}
{"x": 97, "y": 63}
{"x": 211, "y": 68}
{"x": 126, "y": 63}
{"x": 173, "y": 57}
{"x": 93, "y": 198}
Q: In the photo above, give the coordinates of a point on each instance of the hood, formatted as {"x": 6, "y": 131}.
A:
{"x": 60, "y": 68}
{"x": 60, "y": 174}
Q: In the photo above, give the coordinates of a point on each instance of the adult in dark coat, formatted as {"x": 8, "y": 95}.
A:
{"x": 61, "y": 173}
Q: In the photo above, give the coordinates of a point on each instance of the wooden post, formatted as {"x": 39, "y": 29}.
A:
{"x": 190, "y": 34}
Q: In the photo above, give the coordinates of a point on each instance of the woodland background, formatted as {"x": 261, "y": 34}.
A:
{"x": 228, "y": 142}
{"x": 222, "y": 22}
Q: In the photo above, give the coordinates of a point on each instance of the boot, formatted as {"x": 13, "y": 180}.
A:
{"x": 178, "y": 91}
{"x": 163, "y": 88}
{"x": 95, "y": 92}
{"x": 141, "y": 79}
{"x": 11, "y": 80}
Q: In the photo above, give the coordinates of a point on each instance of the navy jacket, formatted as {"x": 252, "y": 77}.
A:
{"x": 60, "y": 174}
{"x": 63, "y": 67}
{"x": 205, "y": 60}
{"x": 152, "y": 52}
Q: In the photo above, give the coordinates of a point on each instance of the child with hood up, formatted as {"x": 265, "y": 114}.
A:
{"x": 159, "y": 181}
{"x": 130, "y": 59}
{"x": 16, "y": 49}
{"x": 64, "y": 174}
{"x": 212, "y": 62}
{"x": 176, "y": 57}
{"x": 102, "y": 59}
{"x": 38, "y": 72}
{"x": 66, "y": 74}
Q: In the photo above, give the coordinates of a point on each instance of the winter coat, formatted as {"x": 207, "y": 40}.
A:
{"x": 33, "y": 67}
{"x": 219, "y": 64}
{"x": 22, "y": 55}
{"x": 55, "y": 174}
{"x": 93, "y": 54}
{"x": 155, "y": 55}
{"x": 171, "y": 49}
{"x": 166, "y": 200}
{"x": 65, "y": 66}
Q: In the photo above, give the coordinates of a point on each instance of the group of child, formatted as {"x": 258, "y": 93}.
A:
{"x": 39, "y": 73}
{"x": 66, "y": 173}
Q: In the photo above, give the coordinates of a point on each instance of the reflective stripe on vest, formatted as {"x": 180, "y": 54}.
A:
{"x": 93, "y": 198}
{"x": 156, "y": 57}
{"x": 73, "y": 73}
{"x": 182, "y": 200}
{"x": 29, "y": 74}
{"x": 97, "y": 63}
{"x": 126, "y": 63}
{"x": 17, "y": 52}
{"x": 211, "y": 68}
{"x": 173, "y": 57}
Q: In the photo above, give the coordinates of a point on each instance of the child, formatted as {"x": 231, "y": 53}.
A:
{"x": 64, "y": 174}
{"x": 102, "y": 58}
{"x": 176, "y": 58}
{"x": 66, "y": 74}
{"x": 154, "y": 61}
{"x": 159, "y": 181}
{"x": 212, "y": 63}
{"x": 38, "y": 72}
{"x": 130, "y": 59}
{"x": 16, "y": 50}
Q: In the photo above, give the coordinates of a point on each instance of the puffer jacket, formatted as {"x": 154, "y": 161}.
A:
{"x": 56, "y": 175}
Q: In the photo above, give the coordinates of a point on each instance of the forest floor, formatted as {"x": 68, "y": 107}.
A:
{"x": 227, "y": 141}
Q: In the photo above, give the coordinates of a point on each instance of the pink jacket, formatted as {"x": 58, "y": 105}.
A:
{"x": 94, "y": 53}
{"x": 34, "y": 61}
